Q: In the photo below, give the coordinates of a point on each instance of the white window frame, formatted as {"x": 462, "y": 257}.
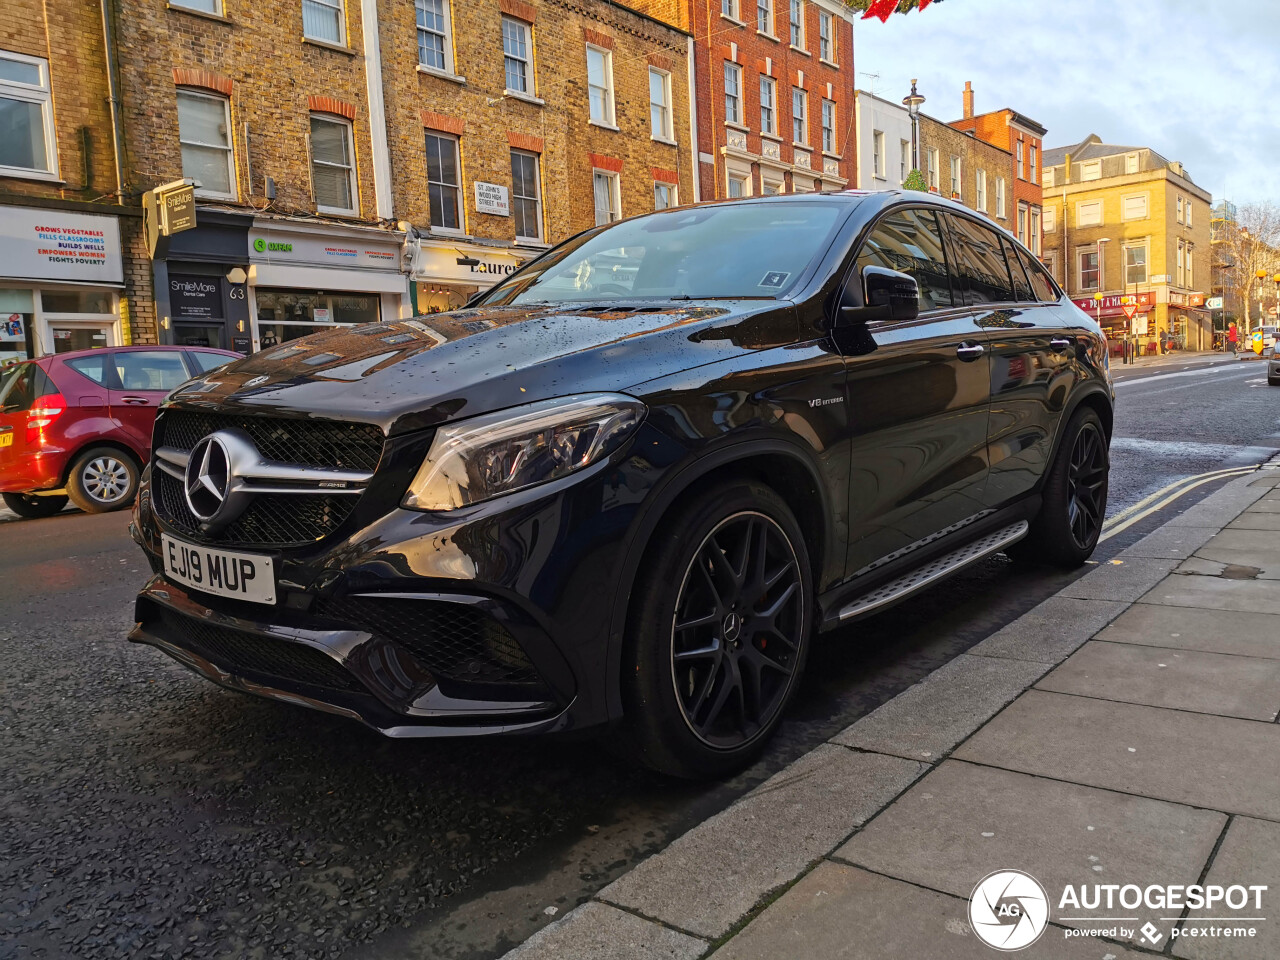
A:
{"x": 1191, "y": 282}
{"x": 1002, "y": 201}
{"x": 339, "y": 8}
{"x": 1034, "y": 245}
{"x": 1182, "y": 264}
{"x": 826, "y": 37}
{"x": 461, "y": 228}
{"x": 673, "y": 194}
{"x": 615, "y": 195}
{"x": 957, "y": 176}
{"x": 764, "y": 15}
{"x": 731, "y": 9}
{"x": 800, "y": 116}
{"x": 1187, "y": 211}
{"x": 934, "y": 174}
{"x": 1090, "y": 170}
{"x": 216, "y": 5}
{"x": 668, "y": 132}
{"x": 1020, "y": 224}
{"x": 40, "y": 94}
{"x": 768, "y": 105}
{"x": 526, "y": 37}
{"x": 1146, "y": 260}
{"x": 1048, "y": 177}
{"x": 1131, "y": 163}
{"x": 1088, "y": 251}
{"x": 1033, "y": 163}
{"x": 229, "y": 146}
{"x": 1179, "y": 208}
{"x": 877, "y": 154}
{"x": 1050, "y": 219}
{"x": 829, "y": 132}
{"x": 445, "y": 35}
{"x": 537, "y": 193}
{"x": 980, "y": 190}
{"x": 733, "y": 70}
{"x": 346, "y": 124}
{"x": 770, "y": 187}
{"x": 904, "y": 160}
{"x": 1124, "y": 206}
{"x": 795, "y": 23}
{"x": 1022, "y": 163}
{"x": 1081, "y": 215}
{"x": 738, "y": 171}
{"x": 610, "y": 110}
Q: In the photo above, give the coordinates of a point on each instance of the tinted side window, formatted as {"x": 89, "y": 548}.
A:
{"x": 983, "y": 270}
{"x": 93, "y": 367}
{"x": 21, "y": 385}
{"x": 151, "y": 370}
{"x": 1021, "y": 285}
{"x": 208, "y": 361}
{"x": 909, "y": 241}
{"x": 1040, "y": 282}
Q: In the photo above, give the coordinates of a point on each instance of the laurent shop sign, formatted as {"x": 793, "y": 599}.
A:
{"x": 439, "y": 261}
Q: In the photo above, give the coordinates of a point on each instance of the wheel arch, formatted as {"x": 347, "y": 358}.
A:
{"x": 102, "y": 442}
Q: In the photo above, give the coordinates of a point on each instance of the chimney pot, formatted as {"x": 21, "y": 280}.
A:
{"x": 968, "y": 99}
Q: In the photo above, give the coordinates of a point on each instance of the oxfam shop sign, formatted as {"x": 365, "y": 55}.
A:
{"x": 262, "y": 245}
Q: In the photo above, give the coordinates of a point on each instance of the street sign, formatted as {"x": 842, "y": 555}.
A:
{"x": 1130, "y": 310}
{"x": 492, "y": 198}
{"x": 1213, "y": 303}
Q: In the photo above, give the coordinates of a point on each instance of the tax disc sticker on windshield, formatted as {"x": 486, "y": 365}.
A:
{"x": 774, "y": 278}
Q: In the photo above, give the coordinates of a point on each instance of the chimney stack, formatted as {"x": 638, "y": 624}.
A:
{"x": 968, "y": 100}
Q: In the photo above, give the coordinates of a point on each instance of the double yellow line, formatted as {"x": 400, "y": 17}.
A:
{"x": 1165, "y": 496}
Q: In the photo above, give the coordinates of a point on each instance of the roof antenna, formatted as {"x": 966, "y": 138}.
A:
{"x": 874, "y": 77}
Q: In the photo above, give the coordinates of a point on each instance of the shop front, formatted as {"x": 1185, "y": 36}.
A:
{"x": 1190, "y": 324}
{"x": 61, "y": 278}
{"x": 201, "y": 283}
{"x": 1123, "y": 317}
{"x": 308, "y": 276}
{"x": 447, "y": 273}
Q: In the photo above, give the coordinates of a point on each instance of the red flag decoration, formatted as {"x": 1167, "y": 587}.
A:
{"x": 880, "y": 8}
{"x": 923, "y": 4}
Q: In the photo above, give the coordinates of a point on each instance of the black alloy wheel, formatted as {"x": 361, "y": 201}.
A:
{"x": 1087, "y": 485}
{"x": 734, "y": 645}
{"x": 719, "y": 629}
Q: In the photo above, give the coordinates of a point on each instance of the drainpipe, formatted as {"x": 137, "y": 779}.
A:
{"x": 377, "y": 110}
{"x": 113, "y": 97}
{"x": 693, "y": 125}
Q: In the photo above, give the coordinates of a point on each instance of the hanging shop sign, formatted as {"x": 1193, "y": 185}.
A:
{"x": 1186, "y": 299}
{"x": 56, "y": 245}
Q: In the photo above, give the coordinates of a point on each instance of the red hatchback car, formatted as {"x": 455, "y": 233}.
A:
{"x": 78, "y": 424}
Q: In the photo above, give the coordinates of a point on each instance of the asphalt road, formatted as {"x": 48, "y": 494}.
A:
{"x": 149, "y": 813}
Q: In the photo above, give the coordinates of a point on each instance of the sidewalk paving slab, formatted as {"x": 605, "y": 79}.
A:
{"x": 1125, "y": 581}
{"x": 597, "y": 931}
{"x": 710, "y": 877}
{"x": 839, "y": 912}
{"x": 1216, "y": 593}
{"x": 1215, "y": 683}
{"x": 1219, "y": 763}
{"x": 1187, "y": 628}
{"x": 1249, "y": 855}
{"x": 929, "y": 718}
{"x": 1169, "y": 543}
{"x": 1255, "y": 520}
{"x": 1254, "y": 548}
{"x": 1051, "y": 631}
{"x": 962, "y": 821}
{"x": 1224, "y": 505}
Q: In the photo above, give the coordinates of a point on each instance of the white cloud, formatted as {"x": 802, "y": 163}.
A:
{"x": 1192, "y": 79}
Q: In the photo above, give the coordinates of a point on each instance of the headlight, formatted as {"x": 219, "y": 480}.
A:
{"x": 487, "y": 456}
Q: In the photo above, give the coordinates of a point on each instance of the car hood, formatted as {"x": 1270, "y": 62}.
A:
{"x": 409, "y": 374}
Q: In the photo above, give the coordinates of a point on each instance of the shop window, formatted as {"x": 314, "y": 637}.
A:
{"x": 434, "y": 47}
{"x": 17, "y": 308}
{"x": 288, "y": 314}
{"x": 799, "y": 116}
{"x": 829, "y": 132}
{"x": 797, "y": 23}
{"x": 27, "y": 143}
{"x": 732, "y": 92}
{"x": 71, "y": 337}
{"x": 323, "y": 20}
{"x": 443, "y": 187}
{"x": 660, "y": 125}
{"x": 333, "y": 169}
{"x": 83, "y": 319}
{"x": 77, "y": 301}
{"x": 768, "y": 106}
{"x": 204, "y": 131}
{"x": 664, "y": 195}
{"x": 600, "y": 85}
{"x": 607, "y": 197}
{"x": 516, "y": 55}
{"x": 442, "y": 297}
{"x": 526, "y": 195}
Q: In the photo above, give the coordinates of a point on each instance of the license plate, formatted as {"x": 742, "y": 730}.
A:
{"x": 6, "y": 439}
{"x": 224, "y": 573}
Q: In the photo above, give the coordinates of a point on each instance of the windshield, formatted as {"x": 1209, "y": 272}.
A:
{"x": 713, "y": 252}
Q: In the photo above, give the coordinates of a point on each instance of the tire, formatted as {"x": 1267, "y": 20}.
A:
{"x": 1273, "y": 382}
{"x": 733, "y": 568}
{"x": 1065, "y": 531}
{"x": 32, "y": 507}
{"x": 102, "y": 480}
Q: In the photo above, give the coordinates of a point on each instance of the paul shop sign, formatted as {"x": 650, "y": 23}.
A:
{"x": 1114, "y": 306}
{"x": 55, "y": 245}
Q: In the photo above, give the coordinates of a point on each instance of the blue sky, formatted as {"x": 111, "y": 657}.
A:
{"x": 1196, "y": 80}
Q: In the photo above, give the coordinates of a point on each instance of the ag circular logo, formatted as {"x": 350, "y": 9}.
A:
{"x": 260, "y": 245}
{"x": 1008, "y": 910}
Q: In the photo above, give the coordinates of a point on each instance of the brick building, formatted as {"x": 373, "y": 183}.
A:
{"x": 774, "y": 93}
{"x": 73, "y": 266}
{"x": 1022, "y": 138}
{"x": 579, "y": 110}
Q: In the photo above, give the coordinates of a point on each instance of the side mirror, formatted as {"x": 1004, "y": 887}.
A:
{"x": 888, "y": 295}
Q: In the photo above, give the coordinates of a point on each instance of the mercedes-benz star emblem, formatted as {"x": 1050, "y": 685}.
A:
{"x": 207, "y": 479}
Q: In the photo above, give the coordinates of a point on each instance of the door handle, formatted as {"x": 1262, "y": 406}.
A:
{"x": 136, "y": 400}
{"x": 969, "y": 351}
{"x": 1061, "y": 343}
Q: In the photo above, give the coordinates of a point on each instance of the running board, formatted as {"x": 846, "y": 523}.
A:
{"x": 935, "y": 570}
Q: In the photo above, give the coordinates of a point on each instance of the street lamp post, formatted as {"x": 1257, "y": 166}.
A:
{"x": 912, "y": 102}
